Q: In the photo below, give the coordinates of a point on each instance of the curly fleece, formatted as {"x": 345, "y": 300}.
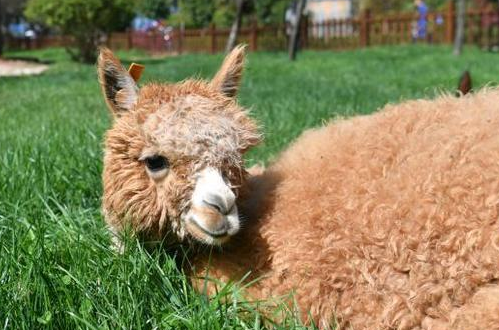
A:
{"x": 385, "y": 221}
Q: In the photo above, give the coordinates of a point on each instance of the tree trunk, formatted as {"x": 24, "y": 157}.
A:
{"x": 460, "y": 24}
{"x": 234, "y": 31}
{"x": 1, "y": 28}
{"x": 85, "y": 45}
{"x": 295, "y": 32}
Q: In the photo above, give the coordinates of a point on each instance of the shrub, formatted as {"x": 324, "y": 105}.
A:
{"x": 87, "y": 22}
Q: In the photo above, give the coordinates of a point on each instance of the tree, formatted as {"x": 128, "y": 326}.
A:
{"x": 293, "y": 44}
{"x": 10, "y": 10}
{"x": 271, "y": 11}
{"x": 234, "y": 31}
{"x": 1, "y": 28}
{"x": 194, "y": 13}
{"x": 384, "y": 6}
{"x": 201, "y": 13}
{"x": 157, "y": 9}
{"x": 460, "y": 21}
{"x": 88, "y": 22}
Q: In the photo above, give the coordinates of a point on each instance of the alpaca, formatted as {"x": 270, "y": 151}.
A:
{"x": 384, "y": 221}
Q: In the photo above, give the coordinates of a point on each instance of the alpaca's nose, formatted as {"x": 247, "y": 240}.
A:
{"x": 223, "y": 203}
{"x": 213, "y": 215}
{"x": 212, "y": 191}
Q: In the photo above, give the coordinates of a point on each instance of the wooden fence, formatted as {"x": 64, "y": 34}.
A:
{"x": 482, "y": 29}
{"x": 208, "y": 40}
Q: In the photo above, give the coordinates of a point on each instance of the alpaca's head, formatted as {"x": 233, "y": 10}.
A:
{"x": 173, "y": 161}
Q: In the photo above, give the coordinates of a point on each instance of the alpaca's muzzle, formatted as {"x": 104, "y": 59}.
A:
{"x": 213, "y": 216}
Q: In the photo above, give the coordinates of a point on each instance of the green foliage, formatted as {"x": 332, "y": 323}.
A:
{"x": 225, "y": 13}
{"x": 200, "y": 13}
{"x": 194, "y": 13}
{"x": 384, "y": 6}
{"x": 57, "y": 270}
{"x": 271, "y": 11}
{"x": 157, "y": 9}
{"x": 87, "y": 21}
{"x": 437, "y": 4}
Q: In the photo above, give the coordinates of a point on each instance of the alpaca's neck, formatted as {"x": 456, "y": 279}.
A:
{"x": 257, "y": 196}
{"x": 248, "y": 252}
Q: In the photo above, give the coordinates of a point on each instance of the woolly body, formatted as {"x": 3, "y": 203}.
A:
{"x": 386, "y": 221}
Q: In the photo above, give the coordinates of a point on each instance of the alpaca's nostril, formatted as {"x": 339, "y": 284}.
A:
{"x": 214, "y": 206}
{"x": 219, "y": 203}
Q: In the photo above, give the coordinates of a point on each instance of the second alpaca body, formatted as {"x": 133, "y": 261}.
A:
{"x": 386, "y": 221}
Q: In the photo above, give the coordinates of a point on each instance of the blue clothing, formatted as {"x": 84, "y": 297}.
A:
{"x": 422, "y": 20}
{"x": 142, "y": 23}
{"x": 18, "y": 29}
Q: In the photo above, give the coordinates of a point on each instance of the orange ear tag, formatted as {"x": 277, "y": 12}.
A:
{"x": 135, "y": 70}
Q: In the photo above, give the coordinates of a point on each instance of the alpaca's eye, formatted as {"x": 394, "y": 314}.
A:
{"x": 156, "y": 163}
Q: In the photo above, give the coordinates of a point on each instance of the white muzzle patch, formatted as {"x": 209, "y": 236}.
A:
{"x": 213, "y": 216}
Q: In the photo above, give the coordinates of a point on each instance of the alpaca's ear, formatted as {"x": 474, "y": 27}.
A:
{"x": 228, "y": 77}
{"x": 118, "y": 87}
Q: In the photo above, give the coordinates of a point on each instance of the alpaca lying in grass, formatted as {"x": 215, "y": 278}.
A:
{"x": 386, "y": 221}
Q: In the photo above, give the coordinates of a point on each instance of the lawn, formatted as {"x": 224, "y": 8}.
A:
{"x": 56, "y": 267}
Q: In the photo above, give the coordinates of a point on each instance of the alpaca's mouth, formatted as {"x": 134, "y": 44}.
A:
{"x": 199, "y": 229}
{"x": 211, "y": 227}
{"x": 222, "y": 232}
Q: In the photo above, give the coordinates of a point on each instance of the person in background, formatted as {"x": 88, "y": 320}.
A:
{"x": 422, "y": 21}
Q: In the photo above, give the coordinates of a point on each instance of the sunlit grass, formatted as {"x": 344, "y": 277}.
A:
{"x": 56, "y": 266}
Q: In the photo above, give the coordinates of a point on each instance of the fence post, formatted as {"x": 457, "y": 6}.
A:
{"x": 213, "y": 35}
{"x": 489, "y": 29}
{"x": 157, "y": 41}
{"x": 129, "y": 39}
{"x": 108, "y": 40}
{"x": 150, "y": 40}
{"x": 450, "y": 27}
{"x": 180, "y": 35}
{"x": 254, "y": 36}
{"x": 479, "y": 34}
{"x": 365, "y": 27}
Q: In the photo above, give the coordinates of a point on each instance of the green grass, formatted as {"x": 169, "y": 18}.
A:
{"x": 56, "y": 267}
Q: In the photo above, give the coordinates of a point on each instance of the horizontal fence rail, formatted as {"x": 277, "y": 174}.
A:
{"x": 482, "y": 29}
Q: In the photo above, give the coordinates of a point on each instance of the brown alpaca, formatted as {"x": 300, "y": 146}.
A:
{"x": 386, "y": 221}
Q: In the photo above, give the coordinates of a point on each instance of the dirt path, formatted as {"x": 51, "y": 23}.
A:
{"x": 20, "y": 68}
